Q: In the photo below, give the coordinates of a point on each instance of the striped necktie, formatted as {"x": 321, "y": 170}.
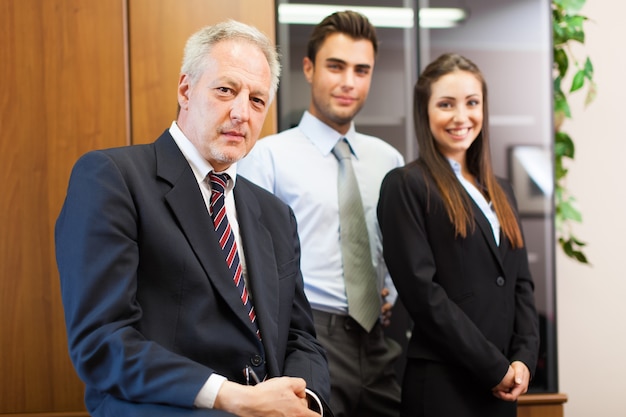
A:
{"x": 360, "y": 277}
{"x": 227, "y": 240}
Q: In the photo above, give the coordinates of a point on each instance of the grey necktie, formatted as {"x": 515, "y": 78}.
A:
{"x": 359, "y": 274}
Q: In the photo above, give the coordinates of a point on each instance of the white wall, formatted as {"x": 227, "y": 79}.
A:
{"x": 591, "y": 303}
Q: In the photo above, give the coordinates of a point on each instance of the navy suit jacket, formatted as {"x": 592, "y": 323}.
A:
{"x": 471, "y": 300}
{"x": 150, "y": 308}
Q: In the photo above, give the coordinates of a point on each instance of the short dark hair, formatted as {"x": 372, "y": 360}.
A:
{"x": 348, "y": 22}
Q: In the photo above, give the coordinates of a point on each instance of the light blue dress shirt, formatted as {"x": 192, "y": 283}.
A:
{"x": 485, "y": 206}
{"x": 298, "y": 167}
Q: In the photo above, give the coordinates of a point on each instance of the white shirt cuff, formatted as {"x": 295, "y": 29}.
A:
{"x": 207, "y": 394}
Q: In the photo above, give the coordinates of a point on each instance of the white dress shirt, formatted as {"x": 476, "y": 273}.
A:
{"x": 298, "y": 167}
{"x": 485, "y": 206}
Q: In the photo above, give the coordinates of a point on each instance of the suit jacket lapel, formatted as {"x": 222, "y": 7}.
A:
{"x": 487, "y": 232}
{"x": 261, "y": 267}
{"x": 186, "y": 202}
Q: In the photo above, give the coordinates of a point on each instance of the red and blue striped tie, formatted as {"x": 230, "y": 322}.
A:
{"x": 227, "y": 240}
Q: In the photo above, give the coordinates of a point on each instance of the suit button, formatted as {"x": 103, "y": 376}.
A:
{"x": 500, "y": 282}
{"x": 256, "y": 360}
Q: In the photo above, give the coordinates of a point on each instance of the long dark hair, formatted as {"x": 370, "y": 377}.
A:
{"x": 478, "y": 157}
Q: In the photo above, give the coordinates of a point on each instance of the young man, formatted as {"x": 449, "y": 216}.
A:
{"x": 300, "y": 166}
{"x": 180, "y": 281}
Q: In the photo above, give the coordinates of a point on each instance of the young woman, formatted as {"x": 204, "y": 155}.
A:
{"x": 455, "y": 250}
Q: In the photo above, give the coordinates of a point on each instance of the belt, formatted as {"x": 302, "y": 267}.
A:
{"x": 336, "y": 320}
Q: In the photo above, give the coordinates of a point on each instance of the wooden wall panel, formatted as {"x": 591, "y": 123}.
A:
{"x": 64, "y": 83}
{"x": 158, "y": 31}
{"x": 63, "y": 92}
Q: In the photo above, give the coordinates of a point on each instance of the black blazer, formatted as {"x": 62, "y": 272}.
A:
{"x": 471, "y": 301}
{"x": 150, "y": 309}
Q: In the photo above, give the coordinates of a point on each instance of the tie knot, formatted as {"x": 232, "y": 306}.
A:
{"x": 218, "y": 181}
{"x": 342, "y": 150}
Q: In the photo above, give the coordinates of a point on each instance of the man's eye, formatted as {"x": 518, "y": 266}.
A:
{"x": 258, "y": 102}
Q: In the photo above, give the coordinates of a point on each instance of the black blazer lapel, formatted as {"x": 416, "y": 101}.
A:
{"x": 487, "y": 232}
{"x": 261, "y": 267}
{"x": 188, "y": 207}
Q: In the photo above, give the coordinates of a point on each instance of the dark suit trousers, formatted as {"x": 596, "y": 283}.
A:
{"x": 362, "y": 374}
{"x": 433, "y": 389}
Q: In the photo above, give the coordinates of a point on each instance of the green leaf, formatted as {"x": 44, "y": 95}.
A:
{"x": 560, "y": 172}
{"x": 563, "y": 145}
{"x": 557, "y": 85}
{"x": 571, "y": 249}
{"x": 567, "y": 28}
{"x": 558, "y": 31}
{"x": 561, "y": 61}
{"x": 567, "y": 211}
{"x": 591, "y": 93}
{"x": 561, "y": 105}
{"x": 578, "y": 81}
{"x": 570, "y": 6}
{"x": 588, "y": 69}
{"x": 580, "y": 257}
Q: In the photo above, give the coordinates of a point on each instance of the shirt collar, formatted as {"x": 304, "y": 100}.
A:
{"x": 456, "y": 167}
{"x": 325, "y": 137}
{"x": 200, "y": 166}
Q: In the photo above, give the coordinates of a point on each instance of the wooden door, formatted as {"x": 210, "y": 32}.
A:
{"x": 62, "y": 93}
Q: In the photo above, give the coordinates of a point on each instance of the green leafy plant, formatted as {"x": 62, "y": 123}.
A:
{"x": 567, "y": 27}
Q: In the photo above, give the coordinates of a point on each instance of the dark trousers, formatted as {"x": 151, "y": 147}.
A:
{"x": 362, "y": 374}
{"x": 434, "y": 389}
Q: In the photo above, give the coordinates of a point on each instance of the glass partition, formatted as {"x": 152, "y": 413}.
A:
{"x": 510, "y": 40}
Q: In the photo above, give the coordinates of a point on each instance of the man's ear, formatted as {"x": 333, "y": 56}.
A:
{"x": 308, "y": 67}
{"x": 183, "y": 91}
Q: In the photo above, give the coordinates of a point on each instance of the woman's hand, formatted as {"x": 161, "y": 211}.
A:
{"x": 514, "y": 383}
